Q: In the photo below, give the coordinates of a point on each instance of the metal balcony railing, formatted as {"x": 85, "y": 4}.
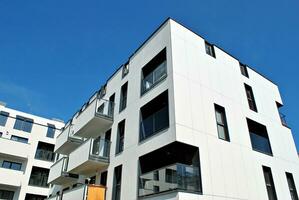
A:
{"x": 46, "y": 155}
{"x": 173, "y": 177}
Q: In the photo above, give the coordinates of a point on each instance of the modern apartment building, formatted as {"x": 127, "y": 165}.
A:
{"x": 26, "y": 154}
{"x": 181, "y": 119}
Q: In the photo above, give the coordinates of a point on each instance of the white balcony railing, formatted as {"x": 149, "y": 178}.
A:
{"x": 94, "y": 118}
{"x": 85, "y": 192}
{"x": 66, "y": 142}
{"x": 58, "y": 173}
{"x": 92, "y": 155}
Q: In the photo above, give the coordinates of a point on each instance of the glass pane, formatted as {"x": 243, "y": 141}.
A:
{"x": 221, "y": 132}
{"x": 18, "y": 124}
{"x": 260, "y": 143}
{"x": 6, "y": 164}
{"x": 161, "y": 119}
{"x": 147, "y": 127}
{"x": 219, "y": 117}
{"x": 16, "y": 166}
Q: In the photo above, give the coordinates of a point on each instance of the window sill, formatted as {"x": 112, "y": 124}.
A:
{"x": 265, "y": 153}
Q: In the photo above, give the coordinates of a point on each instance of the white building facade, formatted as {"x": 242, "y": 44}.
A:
{"x": 26, "y": 154}
{"x": 182, "y": 119}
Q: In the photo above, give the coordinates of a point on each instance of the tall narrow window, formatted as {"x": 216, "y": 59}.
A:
{"x": 123, "y": 97}
{"x": 120, "y": 137}
{"x": 3, "y": 118}
{"x": 6, "y": 194}
{"x": 221, "y": 122}
{"x": 269, "y": 183}
{"x": 12, "y": 165}
{"x": 210, "y": 49}
{"x": 259, "y": 137}
{"x": 250, "y": 98}
{"x": 23, "y": 124}
{"x": 243, "y": 69}
{"x": 111, "y": 105}
{"x": 39, "y": 177}
{"x": 292, "y": 187}
{"x": 125, "y": 69}
{"x": 103, "y": 180}
{"x": 51, "y": 131}
{"x": 154, "y": 72}
{"x": 116, "y": 190}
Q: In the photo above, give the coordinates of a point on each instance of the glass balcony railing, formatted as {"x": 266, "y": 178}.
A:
{"x": 261, "y": 144}
{"x": 100, "y": 148}
{"x": 174, "y": 177}
{"x": 38, "y": 180}
{"x": 42, "y": 154}
{"x": 154, "y": 78}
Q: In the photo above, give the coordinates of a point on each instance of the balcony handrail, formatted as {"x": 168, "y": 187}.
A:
{"x": 106, "y": 148}
{"x": 68, "y": 126}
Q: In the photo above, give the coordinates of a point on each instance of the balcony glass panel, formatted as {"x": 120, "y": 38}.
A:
{"x": 100, "y": 148}
{"x": 260, "y": 143}
{"x": 174, "y": 177}
{"x": 42, "y": 154}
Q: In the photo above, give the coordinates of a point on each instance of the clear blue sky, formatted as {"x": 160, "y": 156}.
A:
{"x": 55, "y": 54}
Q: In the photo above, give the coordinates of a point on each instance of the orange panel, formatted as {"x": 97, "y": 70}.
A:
{"x": 96, "y": 192}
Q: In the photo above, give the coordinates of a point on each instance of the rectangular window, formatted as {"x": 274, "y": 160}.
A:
{"x": 154, "y": 72}
{"x": 292, "y": 187}
{"x": 154, "y": 116}
{"x": 6, "y": 194}
{"x": 103, "y": 180}
{"x": 243, "y": 69}
{"x": 3, "y": 118}
{"x": 250, "y": 98}
{"x": 221, "y": 122}
{"x": 45, "y": 151}
{"x": 125, "y": 70}
{"x": 111, "y": 105}
{"x": 269, "y": 183}
{"x": 23, "y": 124}
{"x": 39, "y": 177}
{"x": 34, "y": 197}
{"x": 12, "y": 165}
{"x": 116, "y": 190}
{"x": 123, "y": 97}
{"x": 210, "y": 49}
{"x": 156, "y": 175}
{"x": 19, "y": 139}
{"x": 51, "y": 131}
{"x": 259, "y": 137}
{"x": 120, "y": 136}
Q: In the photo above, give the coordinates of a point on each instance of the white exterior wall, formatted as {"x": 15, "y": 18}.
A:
{"x": 195, "y": 81}
{"x": 26, "y": 152}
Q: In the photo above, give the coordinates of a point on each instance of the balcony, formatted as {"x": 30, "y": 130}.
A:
{"x": 176, "y": 177}
{"x": 66, "y": 142}
{"x": 91, "y": 156}
{"x": 94, "y": 118}
{"x": 58, "y": 173}
{"x": 80, "y": 193}
{"x": 19, "y": 150}
{"x": 10, "y": 177}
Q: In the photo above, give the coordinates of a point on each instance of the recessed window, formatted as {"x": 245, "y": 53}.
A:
{"x": 51, "y": 131}
{"x": 243, "y": 69}
{"x": 111, "y": 105}
{"x": 120, "y": 137}
{"x": 123, "y": 97}
{"x": 210, "y": 49}
{"x": 12, "y": 165}
{"x": 154, "y": 72}
{"x": 250, "y": 98}
{"x": 6, "y": 194}
{"x": 259, "y": 137}
{"x": 19, "y": 139}
{"x": 269, "y": 183}
{"x": 39, "y": 177}
{"x": 103, "y": 180}
{"x": 292, "y": 187}
{"x": 34, "y": 197}
{"x": 23, "y": 124}
{"x": 116, "y": 190}
{"x": 3, "y": 118}
{"x": 221, "y": 122}
{"x": 125, "y": 70}
{"x": 45, "y": 151}
{"x": 154, "y": 116}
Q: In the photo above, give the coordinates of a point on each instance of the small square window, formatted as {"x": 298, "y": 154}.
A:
{"x": 51, "y": 131}
{"x": 210, "y": 49}
{"x": 243, "y": 69}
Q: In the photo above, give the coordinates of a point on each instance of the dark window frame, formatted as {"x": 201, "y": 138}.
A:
{"x": 243, "y": 69}
{"x": 210, "y": 50}
{"x": 117, "y": 182}
{"x": 123, "y": 97}
{"x": 6, "y": 194}
{"x": 221, "y": 110}
{"x": 19, "y": 139}
{"x": 250, "y": 98}
{"x": 11, "y": 164}
{"x": 3, "y": 118}
{"x": 51, "y": 131}
{"x": 23, "y": 124}
{"x": 269, "y": 183}
{"x": 121, "y": 129}
{"x": 291, "y": 186}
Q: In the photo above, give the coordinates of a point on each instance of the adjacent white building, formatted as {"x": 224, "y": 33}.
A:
{"x": 181, "y": 119}
{"x": 26, "y": 154}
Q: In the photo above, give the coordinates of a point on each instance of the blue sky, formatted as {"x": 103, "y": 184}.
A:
{"x": 55, "y": 54}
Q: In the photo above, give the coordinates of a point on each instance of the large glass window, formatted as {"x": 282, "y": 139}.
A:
{"x": 259, "y": 137}
{"x": 292, "y": 187}
{"x": 34, "y": 197}
{"x": 51, "y": 131}
{"x": 3, "y": 118}
{"x": 154, "y": 72}
{"x": 123, "y": 97}
{"x": 120, "y": 136}
{"x": 23, "y": 124}
{"x": 154, "y": 116}
{"x": 6, "y": 194}
{"x": 221, "y": 122}
{"x": 45, "y": 151}
{"x": 39, "y": 177}
{"x": 269, "y": 183}
{"x": 250, "y": 98}
{"x": 116, "y": 190}
{"x": 11, "y": 165}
